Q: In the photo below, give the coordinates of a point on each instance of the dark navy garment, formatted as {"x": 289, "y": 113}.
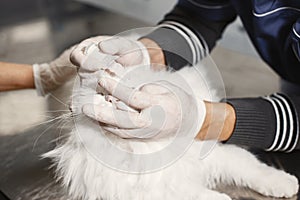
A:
{"x": 273, "y": 27}
{"x": 272, "y": 122}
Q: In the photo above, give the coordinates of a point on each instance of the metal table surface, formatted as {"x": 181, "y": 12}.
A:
{"x": 24, "y": 175}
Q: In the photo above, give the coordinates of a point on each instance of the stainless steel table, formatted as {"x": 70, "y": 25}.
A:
{"x": 24, "y": 175}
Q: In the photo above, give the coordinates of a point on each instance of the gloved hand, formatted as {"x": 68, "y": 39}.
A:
{"x": 162, "y": 110}
{"x": 92, "y": 63}
{"x": 89, "y": 59}
{"x": 130, "y": 52}
{"x": 124, "y": 51}
{"x": 49, "y": 76}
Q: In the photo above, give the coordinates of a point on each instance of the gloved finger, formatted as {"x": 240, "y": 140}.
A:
{"x": 136, "y": 54}
{"x": 131, "y": 58}
{"x": 122, "y": 106}
{"x": 130, "y": 52}
{"x": 118, "y": 104}
{"x": 95, "y": 60}
{"x": 116, "y": 45}
{"x": 78, "y": 55}
{"x": 114, "y": 117}
{"x": 163, "y": 87}
{"x": 118, "y": 132}
{"x": 154, "y": 89}
{"x": 93, "y": 40}
{"x": 130, "y": 96}
{"x": 91, "y": 59}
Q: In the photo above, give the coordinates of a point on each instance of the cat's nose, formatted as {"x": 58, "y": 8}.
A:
{"x": 70, "y": 108}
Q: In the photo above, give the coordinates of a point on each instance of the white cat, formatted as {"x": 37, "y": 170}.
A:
{"x": 90, "y": 167}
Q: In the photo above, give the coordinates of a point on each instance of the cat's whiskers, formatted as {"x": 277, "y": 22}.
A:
{"x": 62, "y": 120}
{"x": 48, "y": 121}
{"x": 57, "y": 99}
{"x": 35, "y": 142}
{"x": 50, "y": 116}
{"x": 62, "y": 124}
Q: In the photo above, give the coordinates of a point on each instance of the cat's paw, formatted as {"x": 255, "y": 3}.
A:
{"x": 277, "y": 184}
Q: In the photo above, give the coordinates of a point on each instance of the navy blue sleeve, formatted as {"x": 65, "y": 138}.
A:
{"x": 191, "y": 30}
{"x": 296, "y": 39}
{"x": 275, "y": 32}
{"x": 290, "y": 55}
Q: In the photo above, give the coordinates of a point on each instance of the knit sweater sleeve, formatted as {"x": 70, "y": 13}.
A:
{"x": 270, "y": 123}
{"x": 191, "y": 30}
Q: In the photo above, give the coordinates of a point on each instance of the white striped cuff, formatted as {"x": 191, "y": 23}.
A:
{"x": 287, "y": 127}
{"x": 196, "y": 43}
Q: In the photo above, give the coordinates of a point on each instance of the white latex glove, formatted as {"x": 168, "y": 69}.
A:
{"x": 163, "y": 110}
{"x": 87, "y": 56}
{"x": 124, "y": 51}
{"x": 130, "y": 52}
{"x": 93, "y": 64}
{"x": 49, "y": 76}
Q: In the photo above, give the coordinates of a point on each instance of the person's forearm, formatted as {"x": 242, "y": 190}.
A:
{"x": 220, "y": 119}
{"x": 15, "y": 76}
{"x": 269, "y": 123}
{"x": 219, "y": 122}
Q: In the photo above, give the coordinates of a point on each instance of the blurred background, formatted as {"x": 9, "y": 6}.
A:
{"x": 36, "y": 31}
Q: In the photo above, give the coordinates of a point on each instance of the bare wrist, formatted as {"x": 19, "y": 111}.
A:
{"x": 15, "y": 76}
{"x": 219, "y": 122}
{"x": 155, "y": 52}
